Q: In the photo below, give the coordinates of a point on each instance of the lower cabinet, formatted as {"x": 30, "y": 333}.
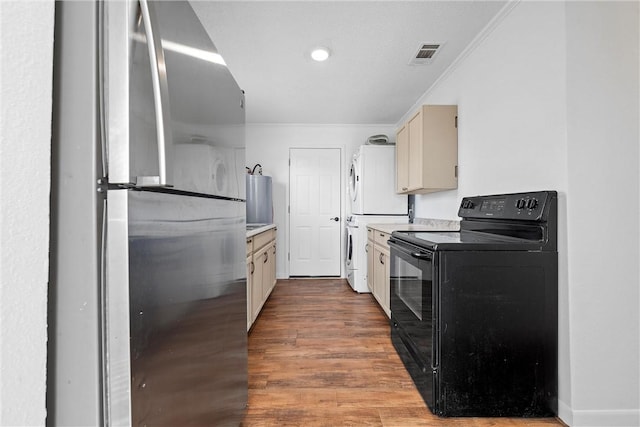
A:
{"x": 264, "y": 276}
{"x": 261, "y": 272}
{"x": 369, "y": 248}
{"x": 378, "y": 268}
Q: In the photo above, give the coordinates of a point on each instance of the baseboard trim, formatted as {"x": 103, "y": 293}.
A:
{"x": 565, "y": 413}
{"x": 598, "y": 418}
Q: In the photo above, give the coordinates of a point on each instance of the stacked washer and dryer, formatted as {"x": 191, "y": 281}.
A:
{"x": 372, "y": 192}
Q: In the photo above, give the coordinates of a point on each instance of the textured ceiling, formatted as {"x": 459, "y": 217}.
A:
{"x": 367, "y": 79}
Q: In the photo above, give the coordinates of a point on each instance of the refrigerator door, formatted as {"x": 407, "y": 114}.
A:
{"x": 139, "y": 280}
{"x": 74, "y": 347}
{"x": 184, "y": 310}
{"x": 175, "y": 112}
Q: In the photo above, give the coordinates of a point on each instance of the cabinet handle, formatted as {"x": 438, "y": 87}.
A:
{"x": 266, "y": 257}
{"x": 253, "y": 267}
{"x": 381, "y": 234}
{"x": 404, "y": 188}
{"x": 382, "y": 259}
{"x": 366, "y": 248}
{"x": 250, "y": 240}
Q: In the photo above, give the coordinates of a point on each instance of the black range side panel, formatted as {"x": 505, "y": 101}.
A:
{"x": 498, "y": 334}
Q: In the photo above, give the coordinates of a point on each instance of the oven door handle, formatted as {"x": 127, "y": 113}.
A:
{"x": 415, "y": 254}
{"x": 422, "y": 255}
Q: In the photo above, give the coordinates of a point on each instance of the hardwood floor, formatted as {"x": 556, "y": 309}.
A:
{"x": 321, "y": 355}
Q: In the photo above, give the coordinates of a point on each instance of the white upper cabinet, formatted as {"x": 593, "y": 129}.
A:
{"x": 427, "y": 151}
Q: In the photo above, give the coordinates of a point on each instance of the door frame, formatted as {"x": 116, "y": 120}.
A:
{"x": 343, "y": 194}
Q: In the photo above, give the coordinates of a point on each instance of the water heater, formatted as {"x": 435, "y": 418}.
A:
{"x": 259, "y": 199}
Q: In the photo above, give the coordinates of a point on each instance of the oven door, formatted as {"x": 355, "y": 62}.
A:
{"x": 414, "y": 314}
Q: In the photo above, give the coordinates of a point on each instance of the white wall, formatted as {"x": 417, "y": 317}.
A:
{"x": 269, "y": 145}
{"x": 540, "y": 109}
{"x": 603, "y": 182}
{"x": 26, "y": 54}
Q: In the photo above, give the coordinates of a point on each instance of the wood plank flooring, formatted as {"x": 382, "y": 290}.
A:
{"x": 321, "y": 355}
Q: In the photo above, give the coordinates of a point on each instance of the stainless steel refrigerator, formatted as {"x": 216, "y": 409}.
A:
{"x": 147, "y": 313}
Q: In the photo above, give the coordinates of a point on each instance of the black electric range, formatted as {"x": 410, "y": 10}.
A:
{"x": 474, "y": 312}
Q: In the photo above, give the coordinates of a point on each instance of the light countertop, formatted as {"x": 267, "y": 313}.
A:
{"x": 427, "y": 225}
{"x": 259, "y": 228}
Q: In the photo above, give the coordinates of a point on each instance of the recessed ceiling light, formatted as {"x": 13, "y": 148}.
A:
{"x": 320, "y": 54}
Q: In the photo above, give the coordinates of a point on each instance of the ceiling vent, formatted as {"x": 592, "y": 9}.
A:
{"x": 425, "y": 54}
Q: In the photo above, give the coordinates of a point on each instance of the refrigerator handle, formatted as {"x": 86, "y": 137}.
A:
{"x": 160, "y": 97}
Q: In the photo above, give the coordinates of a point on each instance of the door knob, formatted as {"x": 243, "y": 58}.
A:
{"x": 335, "y": 219}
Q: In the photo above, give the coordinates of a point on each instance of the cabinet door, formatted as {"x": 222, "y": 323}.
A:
{"x": 386, "y": 283}
{"x": 270, "y": 270}
{"x": 402, "y": 160}
{"x": 378, "y": 273}
{"x": 249, "y": 291}
{"x": 256, "y": 283}
{"x": 381, "y": 282}
{"x": 370, "y": 264}
{"x": 267, "y": 266}
{"x": 416, "y": 147}
{"x": 440, "y": 142}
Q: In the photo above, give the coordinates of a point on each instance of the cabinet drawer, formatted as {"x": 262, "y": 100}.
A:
{"x": 259, "y": 240}
{"x": 370, "y": 233}
{"x": 381, "y": 238}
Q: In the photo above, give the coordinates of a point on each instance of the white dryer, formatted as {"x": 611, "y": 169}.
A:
{"x": 372, "y": 178}
{"x": 356, "y": 238}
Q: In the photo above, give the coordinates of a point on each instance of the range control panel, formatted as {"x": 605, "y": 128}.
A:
{"x": 519, "y": 206}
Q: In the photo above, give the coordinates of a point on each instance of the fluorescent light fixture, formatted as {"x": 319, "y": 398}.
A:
{"x": 320, "y": 54}
{"x": 193, "y": 52}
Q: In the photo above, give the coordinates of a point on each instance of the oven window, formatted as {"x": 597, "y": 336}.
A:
{"x": 409, "y": 286}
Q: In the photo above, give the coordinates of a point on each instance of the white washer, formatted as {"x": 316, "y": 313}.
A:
{"x": 356, "y": 256}
{"x": 372, "y": 180}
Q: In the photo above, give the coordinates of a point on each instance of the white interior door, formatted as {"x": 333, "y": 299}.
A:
{"x": 315, "y": 225}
